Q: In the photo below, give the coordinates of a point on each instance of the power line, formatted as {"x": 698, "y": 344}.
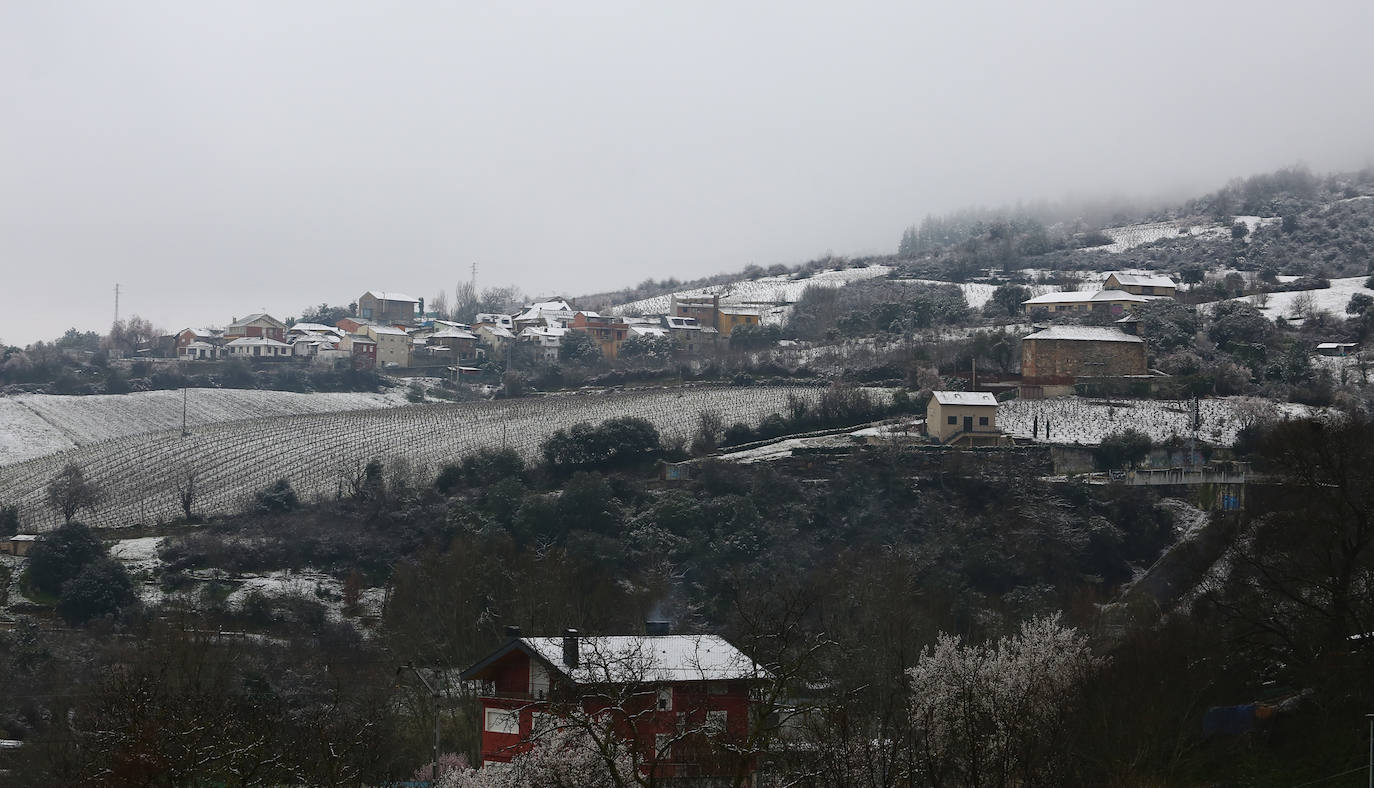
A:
{"x": 1332, "y": 776}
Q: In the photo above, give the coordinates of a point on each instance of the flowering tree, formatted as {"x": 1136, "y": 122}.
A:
{"x": 993, "y": 714}
{"x": 564, "y": 758}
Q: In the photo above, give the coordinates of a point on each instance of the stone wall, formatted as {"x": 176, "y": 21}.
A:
{"x": 1057, "y": 359}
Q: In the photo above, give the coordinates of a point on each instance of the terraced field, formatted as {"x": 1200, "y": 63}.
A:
{"x": 319, "y": 452}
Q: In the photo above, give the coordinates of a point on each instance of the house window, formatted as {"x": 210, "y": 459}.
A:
{"x": 982, "y": 421}
{"x": 665, "y": 698}
{"x": 503, "y": 721}
{"x": 953, "y": 420}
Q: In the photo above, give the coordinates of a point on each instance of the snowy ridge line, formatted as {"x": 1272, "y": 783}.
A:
{"x": 319, "y": 453}
{"x": 764, "y": 290}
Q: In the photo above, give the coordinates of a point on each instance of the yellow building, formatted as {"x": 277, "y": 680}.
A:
{"x": 963, "y": 417}
{"x": 731, "y": 317}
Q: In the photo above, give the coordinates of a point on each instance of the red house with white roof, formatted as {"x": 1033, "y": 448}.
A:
{"x": 679, "y": 700}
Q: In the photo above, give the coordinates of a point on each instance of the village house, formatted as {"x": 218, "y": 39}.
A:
{"x": 186, "y": 336}
{"x": 257, "y": 348}
{"x": 461, "y": 344}
{"x": 547, "y": 340}
{"x": 728, "y": 318}
{"x": 680, "y": 700}
{"x": 556, "y": 312}
{"x": 199, "y": 351}
{"x": 963, "y": 417}
{"x": 256, "y": 325}
{"x": 361, "y": 349}
{"x": 382, "y": 307}
{"x": 1057, "y": 356}
{"x": 1082, "y": 301}
{"x": 1141, "y": 284}
{"x": 708, "y": 313}
{"x": 494, "y": 319}
{"x": 393, "y": 345}
{"x": 496, "y": 337}
{"x": 609, "y": 333}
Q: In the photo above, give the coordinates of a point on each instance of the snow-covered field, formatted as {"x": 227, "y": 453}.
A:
{"x": 33, "y": 425}
{"x": 318, "y": 453}
{"x": 1088, "y": 421}
{"x": 1290, "y": 305}
{"x": 1131, "y": 236}
{"x": 764, "y": 290}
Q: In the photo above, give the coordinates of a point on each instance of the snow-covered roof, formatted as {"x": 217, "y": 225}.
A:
{"x": 738, "y": 310}
{"x": 651, "y": 331}
{"x": 198, "y": 345}
{"x": 265, "y": 341}
{"x": 1335, "y": 345}
{"x": 964, "y": 398}
{"x": 388, "y": 330}
{"x": 200, "y": 332}
{"x": 308, "y": 327}
{"x": 648, "y": 658}
{"x": 1142, "y": 280}
{"x": 1084, "y": 334}
{"x": 453, "y": 333}
{"x": 251, "y": 319}
{"x": 1084, "y": 296}
{"x": 26, "y": 537}
{"x": 585, "y": 313}
{"x": 382, "y": 295}
{"x": 497, "y": 331}
{"x": 546, "y": 331}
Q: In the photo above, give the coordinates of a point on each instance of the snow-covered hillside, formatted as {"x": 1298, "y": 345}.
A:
{"x": 764, "y": 290}
{"x": 33, "y": 425}
{"x": 1291, "y": 305}
{"x": 1133, "y": 235}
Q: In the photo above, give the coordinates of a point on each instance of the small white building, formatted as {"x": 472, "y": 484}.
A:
{"x": 199, "y": 351}
{"x": 968, "y": 417}
{"x": 257, "y": 347}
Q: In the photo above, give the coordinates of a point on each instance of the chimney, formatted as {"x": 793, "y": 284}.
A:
{"x": 512, "y": 632}
{"x": 570, "y": 648}
{"x": 655, "y": 628}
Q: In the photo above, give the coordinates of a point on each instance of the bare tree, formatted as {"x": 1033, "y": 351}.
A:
{"x": 185, "y": 484}
{"x": 69, "y": 492}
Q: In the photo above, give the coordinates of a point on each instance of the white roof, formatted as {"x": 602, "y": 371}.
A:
{"x": 1084, "y": 334}
{"x": 964, "y": 398}
{"x": 382, "y": 295}
{"x": 649, "y": 658}
{"x": 652, "y": 331}
{"x": 313, "y": 327}
{"x": 387, "y": 330}
{"x": 1334, "y": 345}
{"x": 200, "y": 345}
{"x": 497, "y": 331}
{"x": 453, "y": 333}
{"x": 245, "y": 341}
{"x": 547, "y": 331}
{"x": 255, "y": 318}
{"x": 26, "y": 537}
{"x": 1143, "y": 280}
{"x": 1083, "y": 296}
{"x": 738, "y": 310}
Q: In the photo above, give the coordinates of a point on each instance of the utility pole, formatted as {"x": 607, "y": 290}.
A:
{"x": 434, "y": 692}
{"x": 1370, "y": 717}
{"x": 116, "y": 302}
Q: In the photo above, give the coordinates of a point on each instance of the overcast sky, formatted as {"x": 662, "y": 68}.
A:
{"x": 219, "y": 158}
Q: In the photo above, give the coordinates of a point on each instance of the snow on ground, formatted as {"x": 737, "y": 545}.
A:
{"x": 34, "y": 425}
{"x": 1330, "y": 299}
{"x": 764, "y": 290}
{"x": 138, "y": 554}
{"x": 1088, "y": 421}
{"x": 1131, "y": 236}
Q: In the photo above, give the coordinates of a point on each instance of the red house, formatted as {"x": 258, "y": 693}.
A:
{"x": 679, "y": 701}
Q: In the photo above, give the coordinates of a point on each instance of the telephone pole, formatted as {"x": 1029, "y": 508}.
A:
{"x": 116, "y": 302}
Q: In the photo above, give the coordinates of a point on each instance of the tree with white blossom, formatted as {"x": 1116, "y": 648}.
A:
{"x": 992, "y": 714}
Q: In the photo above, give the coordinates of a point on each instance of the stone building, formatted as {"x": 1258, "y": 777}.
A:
{"x": 1060, "y": 354}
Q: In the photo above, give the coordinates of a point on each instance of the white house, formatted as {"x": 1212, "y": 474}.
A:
{"x": 257, "y": 347}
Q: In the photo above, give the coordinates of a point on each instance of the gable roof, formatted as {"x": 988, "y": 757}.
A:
{"x": 964, "y": 398}
{"x": 1142, "y": 280}
{"x": 1082, "y": 296}
{"x": 1084, "y": 334}
{"x": 247, "y": 341}
{"x": 253, "y": 318}
{"x": 635, "y": 659}
{"x": 382, "y": 295}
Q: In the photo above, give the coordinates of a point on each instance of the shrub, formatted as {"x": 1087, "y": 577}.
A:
{"x": 616, "y": 441}
{"x": 1129, "y": 446}
{"x": 9, "y": 520}
{"x": 61, "y": 555}
{"x": 102, "y": 588}
{"x": 279, "y": 497}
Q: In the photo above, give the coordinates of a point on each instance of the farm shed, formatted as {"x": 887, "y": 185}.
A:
{"x": 1059, "y": 354}
{"x": 965, "y": 417}
{"x": 1141, "y": 284}
{"x": 1114, "y": 301}
{"x": 19, "y": 544}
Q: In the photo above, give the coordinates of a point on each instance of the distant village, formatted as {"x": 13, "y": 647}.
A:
{"x": 391, "y": 330}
